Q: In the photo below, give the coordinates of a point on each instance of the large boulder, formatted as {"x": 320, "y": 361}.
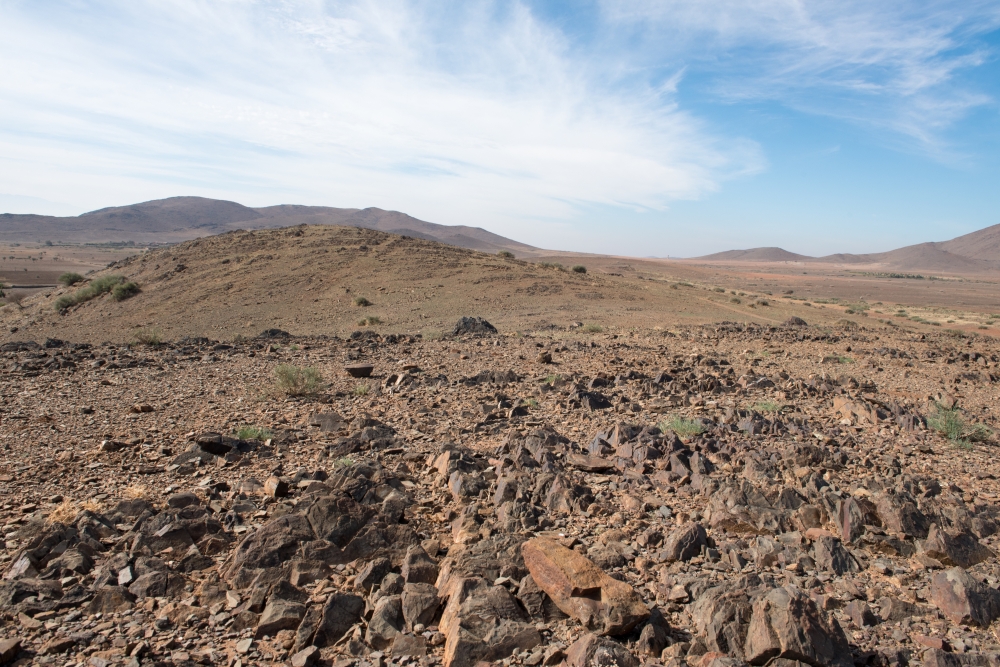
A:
{"x": 787, "y": 624}
{"x": 685, "y": 542}
{"x": 483, "y": 623}
{"x": 581, "y": 589}
{"x": 271, "y": 545}
{"x": 593, "y": 651}
{"x": 963, "y": 600}
{"x": 960, "y": 549}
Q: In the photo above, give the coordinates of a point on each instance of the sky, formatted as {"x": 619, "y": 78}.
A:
{"x": 646, "y": 128}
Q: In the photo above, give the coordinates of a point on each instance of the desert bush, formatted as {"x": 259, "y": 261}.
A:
{"x": 579, "y": 268}
{"x": 148, "y": 336}
{"x": 369, "y": 321}
{"x": 736, "y": 299}
{"x": 681, "y": 426}
{"x": 248, "y": 432}
{"x": 96, "y": 288}
{"x": 719, "y": 290}
{"x": 361, "y": 389}
{"x": 506, "y": 254}
{"x": 768, "y": 406}
{"x": 551, "y": 265}
{"x": 592, "y": 328}
{"x": 69, "y": 279}
{"x": 950, "y": 423}
{"x": 361, "y": 301}
{"x": 296, "y": 381}
{"x": 124, "y": 291}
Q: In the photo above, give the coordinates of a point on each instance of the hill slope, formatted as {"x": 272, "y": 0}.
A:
{"x": 182, "y": 218}
{"x": 304, "y": 280}
{"x": 756, "y": 255}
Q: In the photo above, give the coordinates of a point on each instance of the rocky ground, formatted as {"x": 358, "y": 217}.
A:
{"x": 718, "y": 495}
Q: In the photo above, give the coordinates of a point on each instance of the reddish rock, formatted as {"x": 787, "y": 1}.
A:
{"x": 786, "y": 623}
{"x": 581, "y": 589}
{"x": 964, "y": 600}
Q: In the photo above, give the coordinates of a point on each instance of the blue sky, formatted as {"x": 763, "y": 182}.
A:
{"x": 668, "y": 127}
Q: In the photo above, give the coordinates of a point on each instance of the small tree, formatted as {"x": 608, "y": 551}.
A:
{"x": 69, "y": 278}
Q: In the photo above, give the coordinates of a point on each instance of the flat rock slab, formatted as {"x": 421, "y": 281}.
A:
{"x": 583, "y": 590}
{"x": 589, "y": 463}
{"x": 359, "y": 370}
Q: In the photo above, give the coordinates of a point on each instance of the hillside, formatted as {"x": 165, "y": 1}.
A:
{"x": 182, "y": 218}
{"x": 305, "y": 280}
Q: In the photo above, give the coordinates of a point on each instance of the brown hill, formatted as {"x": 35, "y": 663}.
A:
{"x": 305, "y": 279}
{"x": 756, "y": 255}
{"x": 978, "y": 252}
{"x": 182, "y": 218}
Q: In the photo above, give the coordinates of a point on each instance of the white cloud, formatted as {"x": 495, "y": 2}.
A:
{"x": 472, "y": 114}
{"x": 889, "y": 65}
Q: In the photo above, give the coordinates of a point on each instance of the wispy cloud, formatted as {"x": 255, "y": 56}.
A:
{"x": 458, "y": 113}
{"x": 891, "y": 65}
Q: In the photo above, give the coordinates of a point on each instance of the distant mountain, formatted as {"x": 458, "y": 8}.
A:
{"x": 182, "y": 218}
{"x": 972, "y": 253}
{"x": 757, "y": 255}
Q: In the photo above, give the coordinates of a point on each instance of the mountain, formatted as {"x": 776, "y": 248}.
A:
{"x": 977, "y": 252}
{"x": 179, "y": 219}
{"x": 756, "y": 255}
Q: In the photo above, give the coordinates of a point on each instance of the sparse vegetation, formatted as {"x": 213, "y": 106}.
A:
{"x": 361, "y": 302}
{"x": 684, "y": 428}
{"x": 248, "y": 432}
{"x": 579, "y": 268}
{"x": 343, "y": 462}
{"x": 506, "y": 254}
{"x": 551, "y": 265}
{"x": 736, "y": 300}
{"x": 96, "y": 288}
{"x": 530, "y": 402}
{"x": 297, "y": 381}
{"x": 361, "y": 389}
{"x": 124, "y": 291}
{"x": 369, "y": 321}
{"x": 950, "y": 423}
{"x": 768, "y": 406}
{"x": 148, "y": 336}
{"x": 592, "y": 328}
{"x": 69, "y": 279}
{"x": 720, "y": 290}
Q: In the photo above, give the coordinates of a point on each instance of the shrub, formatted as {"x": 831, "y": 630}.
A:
{"x": 506, "y": 254}
{"x": 950, "y": 423}
{"x": 719, "y": 290}
{"x": 681, "y": 426}
{"x": 768, "y": 406}
{"x": 579, "y": 268}
{"x": 361, "y": 390}
{"x": 148, "y": 336}
{"x": 248, "y": 432}
{"x": 96, "y": 288}
{"x": 361, "y": 301}
{"x": 297, "y": 381}
{"x": 736, "y": 300}
{"x": 592, "y": 328}
{"x": 551, "y": 265}
{"x": 69, "y": 279}
{"x": 124, "y": 291}
{"x": 368, "y": 321}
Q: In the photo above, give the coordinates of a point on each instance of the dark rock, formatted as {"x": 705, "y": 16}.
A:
{"x": 386, "y": 622}
{"x": 593, "y": 651}
{"x": 420, "y": 604}
{"x": 787, "y": 624}
{"x": 473, "y": 326}
{"x": 951, "y": 549}
{"x": 964, "y": 600}
{"x": 795, "y": 322}
{"x": 418, "y": 567}
{"x": 337, "y": 519}
{"x": 182, "y": 500}
{"x": 340, "y": 613}
{"x": 831, "y": 556}
{"x": 685, "y": 542}
{"x": 271, "y": 545}
{"x": 372, "y": 574}
{"x": 482, "y": 622}
{"x": 359, "y": 370}
{"x": 280, "y": 615}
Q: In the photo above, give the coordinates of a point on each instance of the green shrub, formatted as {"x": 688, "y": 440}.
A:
{"x": 768, "y": 406}
{"x": 950, "y": 423}
{"x": 592, "y": 328}
{"x": 579, "y": 268}
{"x": 681, "y": 426}
{"x": 248, "y": 432}
{"x": 297, "y": 381}
{"x": 361, "y": 301}
{"x": 148, "y": 336}
{"x": 69, "y": 279}
{"x": 369, "y": 321}
{"x": 96, "y": 288}
{"x": 736, "y": 300}
{"x": 720, "y": 290}
{"x": 551, "y": 265}
{"x": 506, "y": 254}
{"x": 124, "y": 291}
{"x": 361, "y": 390}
